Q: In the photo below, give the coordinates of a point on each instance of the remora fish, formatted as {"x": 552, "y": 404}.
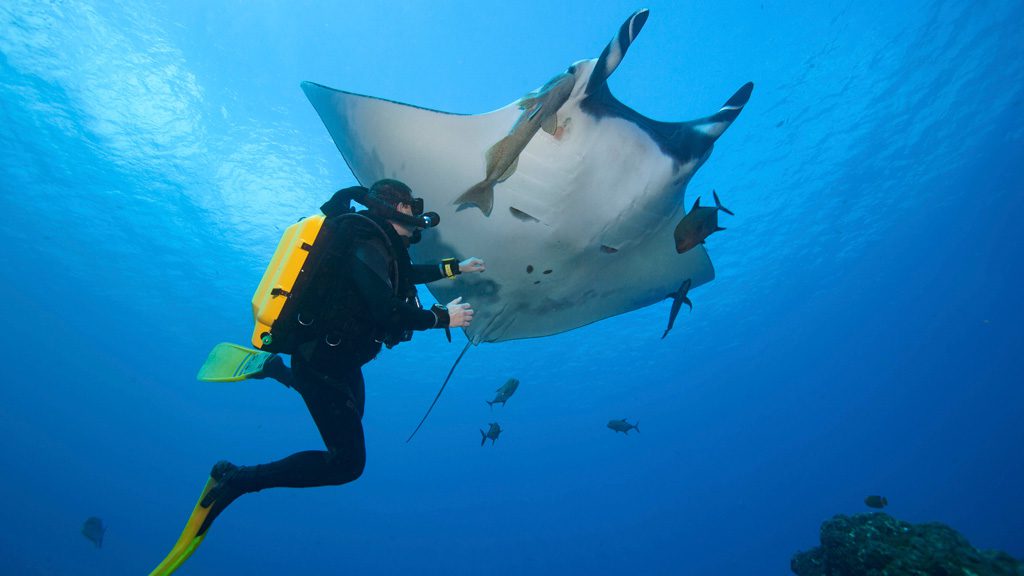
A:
{"x": 678, "y": 299}
{"x": 623, "y": 426}
{"x": 698, "y": 224}
{"x": 94, "y": 530}
{"x": 491, "y": 433}
{"x": 504, "y": 392}
{"x": 540, "y": 109}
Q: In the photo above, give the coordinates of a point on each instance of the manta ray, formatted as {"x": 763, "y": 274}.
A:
{"x": 570, "y": 196}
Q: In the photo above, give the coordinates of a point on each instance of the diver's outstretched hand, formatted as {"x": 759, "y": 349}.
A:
{"x": 460, "y": 314}
{"x": 473, "y": 264}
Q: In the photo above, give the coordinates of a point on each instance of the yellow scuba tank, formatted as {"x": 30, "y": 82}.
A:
{"x": 283, "y": 280}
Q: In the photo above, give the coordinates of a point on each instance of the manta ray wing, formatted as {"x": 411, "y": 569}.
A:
{"x": 428, "y": 149}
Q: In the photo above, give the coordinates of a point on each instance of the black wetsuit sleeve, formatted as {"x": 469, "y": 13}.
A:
{"x": 369, "y": 270}
{"x": 424, "y": 273}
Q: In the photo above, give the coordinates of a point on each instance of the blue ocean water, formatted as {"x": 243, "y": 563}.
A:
{"x": 863, "y": 334}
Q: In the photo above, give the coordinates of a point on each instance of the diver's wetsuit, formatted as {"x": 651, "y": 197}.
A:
{"x": 327, "y": 370}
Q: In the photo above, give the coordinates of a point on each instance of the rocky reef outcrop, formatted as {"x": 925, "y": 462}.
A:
{"x": 878, "y": 544}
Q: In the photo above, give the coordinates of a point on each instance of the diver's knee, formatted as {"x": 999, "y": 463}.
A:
{"x": 358, "y": 467}
{"x": 346, "y": 468}
{"x": 354, "y": 468}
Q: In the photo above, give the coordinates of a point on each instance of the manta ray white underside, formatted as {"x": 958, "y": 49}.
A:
{"x": 581, "y": 230}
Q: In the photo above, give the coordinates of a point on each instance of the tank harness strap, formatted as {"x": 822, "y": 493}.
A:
{"x": 335, "y": 337}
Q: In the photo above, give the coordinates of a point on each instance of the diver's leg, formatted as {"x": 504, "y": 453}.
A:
{"x": 336, "y": 406}
{"x": 337, "y": 409}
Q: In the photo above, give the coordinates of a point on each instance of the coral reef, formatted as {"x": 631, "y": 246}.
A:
{"x": 878, "y": 544}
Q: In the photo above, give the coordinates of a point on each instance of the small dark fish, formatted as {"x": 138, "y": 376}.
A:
{"x": 678, "y": 299}
{"x": 93, "y": 529}
{"x": 491, "y": 433}
{"x": 623, "y": 426}
{"x": 876, "y": 501}
{"x": 504, "y": 392}
{"x": 699, "y": 223}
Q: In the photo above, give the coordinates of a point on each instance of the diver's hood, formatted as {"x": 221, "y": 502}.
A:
{"x": 341, "y": 203}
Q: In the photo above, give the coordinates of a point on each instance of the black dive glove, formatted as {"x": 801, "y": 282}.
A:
{"x": 443, "y": 319}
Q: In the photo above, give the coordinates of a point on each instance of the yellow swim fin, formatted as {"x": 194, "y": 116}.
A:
{"x": 230, "y": 363}
{"x": 190, "y": 538}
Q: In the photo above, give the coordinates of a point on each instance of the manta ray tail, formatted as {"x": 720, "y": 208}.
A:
{"x": 436, "y": 398}
{"x": 616, "y": 49}
{"x": 715, "y": 124}
{"x": 480, "y": 195}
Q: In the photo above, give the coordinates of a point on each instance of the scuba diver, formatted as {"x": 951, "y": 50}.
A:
{"x": 375, "y": 304}
{"x": 362, "y": 298}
